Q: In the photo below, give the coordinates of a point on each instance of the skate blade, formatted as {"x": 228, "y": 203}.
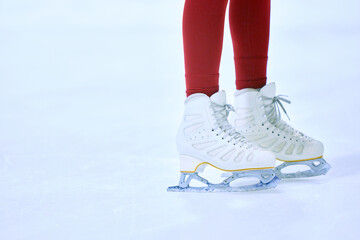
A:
{"x": 315, "y": 170}
{"x": 267, "y": 179}
{"x": 256, "y": 187}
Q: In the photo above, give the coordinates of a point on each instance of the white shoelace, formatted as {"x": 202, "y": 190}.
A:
{"x": 273, "y": 114}
{"x": 221, "y": 113}
{"x": 274, "y": 106}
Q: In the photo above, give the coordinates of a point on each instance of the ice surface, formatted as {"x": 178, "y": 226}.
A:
{"x": 91, "y": 94}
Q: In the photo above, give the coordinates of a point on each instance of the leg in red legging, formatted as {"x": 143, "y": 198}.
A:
{"x": 203, "y": 29}
{"x": 249, "y": 25}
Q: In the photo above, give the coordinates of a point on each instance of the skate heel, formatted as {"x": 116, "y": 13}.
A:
{"x": 190, "y": 164}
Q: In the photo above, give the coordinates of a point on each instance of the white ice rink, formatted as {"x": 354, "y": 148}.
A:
{"x": 91, "y": 94}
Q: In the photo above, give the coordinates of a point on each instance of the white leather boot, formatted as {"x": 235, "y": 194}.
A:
{"x": 205, "y": 138}
{"x": 257, "y": 117}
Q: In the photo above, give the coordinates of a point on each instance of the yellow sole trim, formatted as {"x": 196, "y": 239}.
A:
{"x": 299, "y": 160}
{"x": 246, "y": 169}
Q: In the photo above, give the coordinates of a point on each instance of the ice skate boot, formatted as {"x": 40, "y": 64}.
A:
{"x": 205, "y": 138}
{"x": 257, "y": 117}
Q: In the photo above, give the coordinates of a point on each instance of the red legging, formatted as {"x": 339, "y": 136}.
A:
{"x": 203, "y": 29}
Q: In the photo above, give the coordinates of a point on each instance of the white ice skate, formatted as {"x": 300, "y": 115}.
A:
{"x": 257, "y": 117}
{"x": 205, "y": 138}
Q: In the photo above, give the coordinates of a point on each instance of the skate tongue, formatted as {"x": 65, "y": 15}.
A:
{"x": 268, "y": 90}
{"x": 219, "y": 98}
